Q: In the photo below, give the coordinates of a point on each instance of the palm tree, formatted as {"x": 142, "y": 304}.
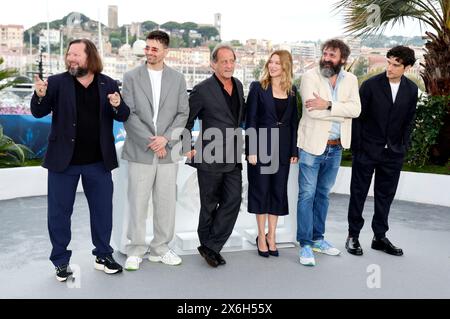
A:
{"x": 359, "y": 20}
{"x": 367, "y": 17}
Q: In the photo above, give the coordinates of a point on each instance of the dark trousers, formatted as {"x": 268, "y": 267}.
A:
{"x": 220, "y": 199}
{"x": 387, "y": 169}
{"x": 98, "y": 188}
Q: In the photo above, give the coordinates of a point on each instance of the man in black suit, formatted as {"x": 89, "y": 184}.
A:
{"x": 218, "y": 102}
{"x": 83, "y": 103}
{"x": 380, "y": 139}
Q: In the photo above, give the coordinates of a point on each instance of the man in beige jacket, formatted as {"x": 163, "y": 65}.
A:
{"x": 330, "y": 101}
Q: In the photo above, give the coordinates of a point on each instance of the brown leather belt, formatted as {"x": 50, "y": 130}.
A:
{"x": 334, "y": 142}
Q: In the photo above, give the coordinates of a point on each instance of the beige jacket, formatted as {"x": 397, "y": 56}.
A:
{"x": 315, "y": 126}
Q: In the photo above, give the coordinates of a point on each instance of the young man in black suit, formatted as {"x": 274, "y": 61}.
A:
{"x": 380, "y": 139}
{"x": 218, "y": 102}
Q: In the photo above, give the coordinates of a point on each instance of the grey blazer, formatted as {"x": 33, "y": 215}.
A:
{"x": 173, "y": 113}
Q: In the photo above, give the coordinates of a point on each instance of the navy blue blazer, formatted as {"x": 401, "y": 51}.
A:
{"x": 261, "y": 113}
{"x": 383, "y": 122}
{"x": 60, "y": 101}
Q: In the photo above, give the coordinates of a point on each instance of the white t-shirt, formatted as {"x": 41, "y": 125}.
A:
{"x": 155, "y": 80}
{"x": 394, "y": 90}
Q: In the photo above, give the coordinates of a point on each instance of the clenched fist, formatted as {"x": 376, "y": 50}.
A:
{"x": 114, "y": 99}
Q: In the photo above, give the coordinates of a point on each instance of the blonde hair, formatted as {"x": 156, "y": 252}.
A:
{"x": 286, "y": 75}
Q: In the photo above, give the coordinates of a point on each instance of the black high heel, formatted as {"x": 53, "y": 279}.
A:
{"x": 272, "y": 252}
{"x": 261, "y": 253}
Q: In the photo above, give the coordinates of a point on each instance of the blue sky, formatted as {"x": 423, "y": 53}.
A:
{"x": 279, "y": 21}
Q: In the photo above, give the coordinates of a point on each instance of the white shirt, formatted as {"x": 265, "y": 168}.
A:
{"x": 155, "y": 80}
{"x": 394, "y": 90}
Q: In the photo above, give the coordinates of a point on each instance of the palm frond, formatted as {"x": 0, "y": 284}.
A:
{"x": 6, "y": 76}
{"x": 367, "y": 17}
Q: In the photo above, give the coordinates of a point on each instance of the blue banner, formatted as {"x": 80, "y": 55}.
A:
{"x": 33, "y": 132}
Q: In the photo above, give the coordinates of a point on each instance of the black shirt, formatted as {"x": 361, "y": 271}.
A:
{"x": 87, "y": 142}
{"x": 233, "y": 99}
{"x": 280, "y": 106}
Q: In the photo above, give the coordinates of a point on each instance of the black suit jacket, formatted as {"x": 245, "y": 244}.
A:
{"x": 261, "y": 113}
{"x": 60, "y": 101}
{"x": 383, "y": 122}
{"x": 208, "y": 104}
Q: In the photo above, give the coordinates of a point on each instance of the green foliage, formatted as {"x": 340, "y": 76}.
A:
{"x": 235, "y": 43}
{"x": 297, "y": 83}
{"x": 258, "y": 69}
{"x": 177, "y": 42}
{"x": 418, "y": 81}
{"x": 12, "y": 154}
{"x": 383, "y": 41}
{"x": 367, "y": 76}
{"x": 115, "y": 42}
{"x": 430, "y": 114}
{"x": 171, "y": 25}
{"x": 189, "y": 26}
{"x": 5, "y": 74}
{"x": 208, "y": 32}
{"x": 148, "y": 26}
{"x": 361, "y": 67}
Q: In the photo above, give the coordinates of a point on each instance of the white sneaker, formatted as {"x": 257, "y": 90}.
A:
{"x": 324, "y": 247}
{"x": 307, "y": 256}
{"x": 170, "y": 258}
{"x": 132, "y": 263}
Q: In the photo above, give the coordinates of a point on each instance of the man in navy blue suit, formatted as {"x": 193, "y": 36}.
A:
{"x": 380, "y": 139}
{"x": 83, "y": 103}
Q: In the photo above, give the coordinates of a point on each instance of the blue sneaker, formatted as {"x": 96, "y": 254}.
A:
{"x": 307, "y": 256}
{"x": 324, "y": 247}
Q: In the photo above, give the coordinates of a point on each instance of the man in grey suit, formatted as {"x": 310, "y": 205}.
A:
{"x": 158, "y": 101}
{"x": 218, "y": 102}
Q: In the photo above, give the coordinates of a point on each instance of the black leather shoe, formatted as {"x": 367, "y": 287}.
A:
{"x": 261, "y": 253}
{"x": 353, "y": 247}
{"x": 272, "y": 252}
{"x": 209, "y": 255}
{"x": 385, "y": 245}
{"x": 220, "y": 259}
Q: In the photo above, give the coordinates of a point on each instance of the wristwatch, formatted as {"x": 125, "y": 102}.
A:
{"x": 330, "y": 104}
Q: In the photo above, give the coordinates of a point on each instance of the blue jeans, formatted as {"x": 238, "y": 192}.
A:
{"x": 317, "y": 175}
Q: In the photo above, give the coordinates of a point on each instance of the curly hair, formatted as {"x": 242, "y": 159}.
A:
{"x": 337, "y": 44}
{"x": 402, "y": 54}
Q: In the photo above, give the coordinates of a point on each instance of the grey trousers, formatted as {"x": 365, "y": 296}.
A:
{"x": 145, "y": 180}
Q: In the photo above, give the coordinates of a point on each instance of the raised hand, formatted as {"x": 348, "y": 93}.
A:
{"x": 40, "y": 86}
{"x": 114, "y": 99}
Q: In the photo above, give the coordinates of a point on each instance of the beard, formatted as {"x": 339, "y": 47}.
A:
{"x": 328, "y": 69}
{"x": 78, "y": 71}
